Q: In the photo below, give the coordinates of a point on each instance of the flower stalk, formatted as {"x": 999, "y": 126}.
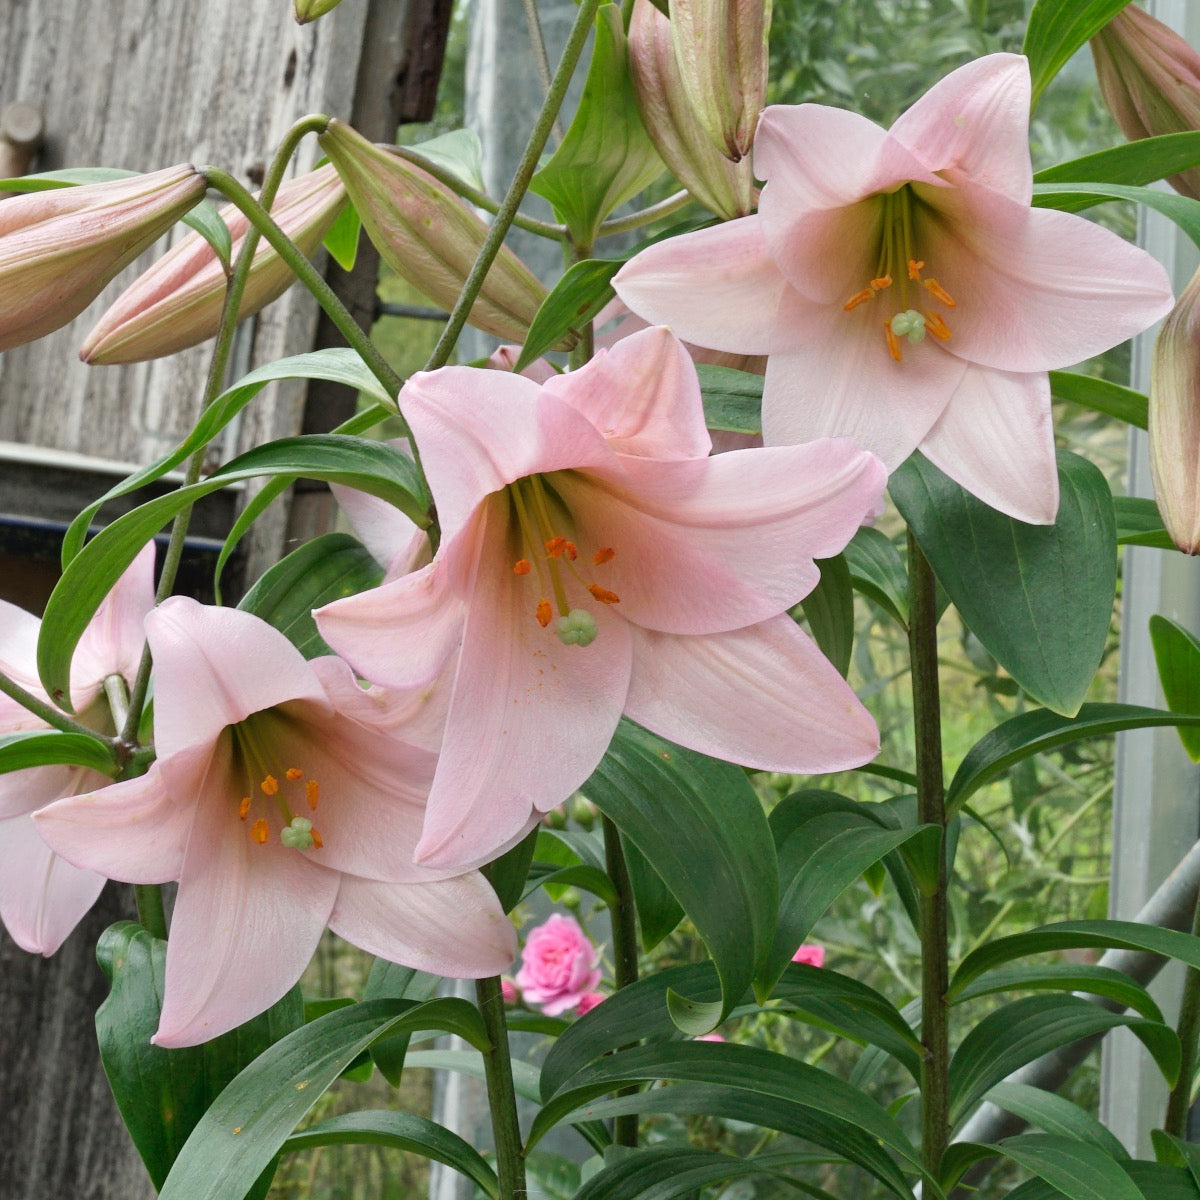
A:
{"x": 625, "y": 950}
{"x": 502, "y": 1096}
{"x": 1179, "y": 1102}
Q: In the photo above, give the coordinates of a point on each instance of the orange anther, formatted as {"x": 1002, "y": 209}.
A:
{"x": 940, "y": 292}
{"x": 572, "y": 551}
{"x": 857, "y": 299}
{"x": 521, "y": 567}
{"x": 893, "y": 342}
{"x": 556, "y": 546}
{"x": 310, "y": 792}
{"x": 603, "y": 594}
{"x": 603, "y": 555}
{"x": 884, "y": 281}
{"x": 244, "y": 808}
{"x": 259, "y": 832}
{"x": 270, "y": 785}
{"x": 294, "y": 773}
{"x": 936, "y": 326}
{"x": 543, "y": 613}
{"x": 914, "y": 268}
{"x": 318, "y": 840}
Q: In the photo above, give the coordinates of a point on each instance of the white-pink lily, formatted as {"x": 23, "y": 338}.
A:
{"x": 906, "y": 292}
{"x": 279, "y": 811}
{"x": 596, "y": 561}
{"x": 42, "y": 896}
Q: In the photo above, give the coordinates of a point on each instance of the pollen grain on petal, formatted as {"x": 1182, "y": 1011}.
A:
{"x": 522, "y": 567}
{"x": 259, "y": 832}
{"x": 604, "y": 555}
{"x": 270, "y": 785}
{"x": 603, "y": 594}
{"x": 544, "y": 613}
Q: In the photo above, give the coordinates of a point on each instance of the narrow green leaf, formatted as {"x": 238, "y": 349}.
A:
{"x": 658, "y": 912}
{"x": 829, "y": 610}
{"x": 390, "y": 981}
{"x": 336, "y": 365}
{"x": 507, "y": 873}
{"x": 1057, "y": 28}
{"x": 1100, "y": 396}
{"x": 662, "y": 1173}
{"x": 1066, "y": 977}
{"x": 42, "y": 747}
{"x": 343, "y": 237}
{"x": 1143, "y": 161}
{"x": 45, "y": 181}
{"x": 1155, "y": 1180}
{"x": 1177, "y": 653}
{"x": 575, "y": 299}
{"x": 1071, "y": 935}
{"x": 1182, "y": 210}
{"x": 732, "y": 398}
{"x": 1038, "y": 731}
{"x": 210, "y": 225}
{"x": 545, "y": 875}
{"x": 1080, "y": 1171}
{"x": 371, "y": 466}
{"x": 1010, "y": 1037}
{"x": 399, "y": 1131}
{"x": 1056, "y": 1115}
{"x": 250, "y": 1120}
{"x": 606, "y": 156}
{"x": 1139, "y": 523}
{"x": 328, "y": 568}
{"x": 878, "y": 571}
{"x": 715, "y": 852}
{"x": 1039, "y": 597}
{"x": 162, "y": 1094}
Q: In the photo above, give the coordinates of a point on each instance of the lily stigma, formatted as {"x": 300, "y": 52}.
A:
{"x": 266, "y": 791}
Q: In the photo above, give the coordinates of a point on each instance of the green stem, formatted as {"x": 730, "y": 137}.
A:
{"x": 634, "y": 220}
{"x": 53, "y": 716}
{"x": 931, "y": 806}
{"x": 625, "y": 951}
{"x": 502, "y": 1096}
{"x": 152, "y": 917}
{"x": 517, "y": 189}
{"x": 1180, "y": 1099}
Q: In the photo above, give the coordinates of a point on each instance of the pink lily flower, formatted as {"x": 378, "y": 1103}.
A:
{"x": 906, "y": 292}
{"x": 279, "y": 812}
{"x": 596, "y": 561}
{"x": 42, "y": 896}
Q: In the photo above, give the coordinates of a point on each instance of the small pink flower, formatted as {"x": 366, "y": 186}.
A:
{"x": 509, "y": 992}
{"x": 810, "y": 955}
{"x": 587, "y": 1002}
{"x": 708, "y": 1037}
{"x": 558, "y": 966}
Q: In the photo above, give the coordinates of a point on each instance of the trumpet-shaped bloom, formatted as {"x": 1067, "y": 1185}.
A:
{"x": 906, "y": 292}
{"x": 595, "y": 561}
{"x": 42, "y": 896}
{"x": 279, "y": 811}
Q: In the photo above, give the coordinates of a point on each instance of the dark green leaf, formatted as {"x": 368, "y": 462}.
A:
{"x": 1156, "y": 1181}
{"x": 1100, "y": 396}
{"x": 1038, "y": 731}
{"x": 1056, "y": 1115}
{"x": 574, "y": 300}
{"x": 399, "y": 1131}
{"x": 1039, "y": 597}
{"x": 391, "y": 981}
{"x": 1012, "y": 1036}
{"x": 162, "y": 1094}
{"x": 1066, "y": 977}
{"x": 700, "y": 825}
{"x": 507, "y": 873}
{"x": 1177, "y": 653}
{"x": 658, "y": 912}
{"x": 328, "y": 568}
{"x": 732, "y": 399}
{"x": 878, "y": 571}
{"x": 546, "y": 875}
{"x": 606, "y": 156}
{"x": 1057, "y": 28}
{"x": 1182, "y": 210}
{"x": 1080, "y": 1171}
{"x": 1139, "y": 523}
{"x": 662, "y": 1173}
{"x": 40, "y": 747}
{"x": 829, "y": 610}
{"x": 1138, "y": 162}
{"x": 250, "y": 1120}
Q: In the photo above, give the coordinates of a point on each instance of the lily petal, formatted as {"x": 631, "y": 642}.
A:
{"x": 996, "y": 438}
{"x": 451, "y": 927}
{"x": 763, "y": 696}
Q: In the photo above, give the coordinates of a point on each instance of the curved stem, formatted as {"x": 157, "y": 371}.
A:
{"x": 1180, "y": 1100}
{"x": 625, "y": 951}
{"x": 931, "y": 806}
{"x": 541, "y": 60}
{"x": 518, "y": 187}
{"x": 502, "y": 1096}
{"x": 53, "y": 716}
{"x": 664, "y": 208}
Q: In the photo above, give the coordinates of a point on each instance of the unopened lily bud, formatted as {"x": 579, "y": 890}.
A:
{"x": 310, "y": 10}
{"x": 1150, "y": 80}
{"x": 1175, "y": 419}
{"x": 59, "y": 248}
{"x": 177, "y": 303}
{"x": 721, "y": 49}
{"x": 684, "y": 144}
{"x": 427, "y": 235}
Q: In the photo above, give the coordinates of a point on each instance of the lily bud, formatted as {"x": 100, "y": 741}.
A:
{"x": 177, "y": 303}
{"x": 1150, "y": 80}
{"x": 427, "y": 235}
{"x": 59, "y": 248}
{"x": 1175, "y": 419}
{"x": 684, "y": 144}
{"x": 721, "y": 49}
{"x": 310, "y": 10}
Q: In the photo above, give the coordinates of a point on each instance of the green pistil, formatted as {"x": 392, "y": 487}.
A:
{"x": 909, "y": 324}
{"x": 298, "y": 835}
{"x": 577, "y": 628}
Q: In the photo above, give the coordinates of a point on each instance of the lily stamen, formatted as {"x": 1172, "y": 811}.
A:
{"x": 940, "y": 292}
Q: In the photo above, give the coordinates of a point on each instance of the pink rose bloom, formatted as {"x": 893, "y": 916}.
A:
{"x": 587, "y": 1002}
{"x": 557, "y": 966}
{"x": 905, "y": 290}
{"x": 810, "y": 955}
